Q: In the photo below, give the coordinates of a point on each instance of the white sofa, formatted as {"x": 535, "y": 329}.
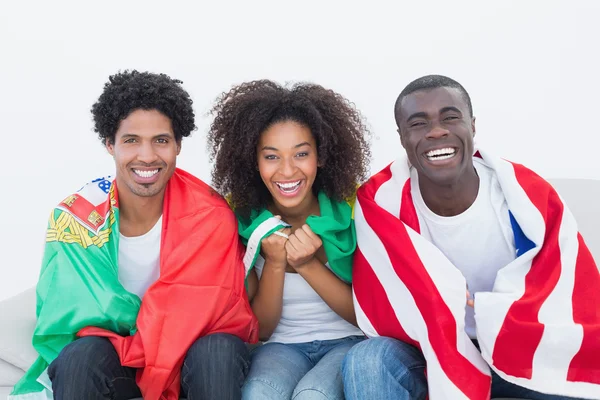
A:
{"x": 18, "y": 313}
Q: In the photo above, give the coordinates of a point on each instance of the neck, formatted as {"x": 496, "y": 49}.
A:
{"x": 452, "y": 199}
{"x": 296, "y": 216}
{"x": 137, "y": 215}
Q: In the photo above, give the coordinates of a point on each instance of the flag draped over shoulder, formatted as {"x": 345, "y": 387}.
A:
{"x": 540, "y": 326}
{"x": 200, "y": 289}
{"x": 335, "y": 227}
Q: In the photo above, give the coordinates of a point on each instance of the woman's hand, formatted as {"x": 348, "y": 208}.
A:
{"x": 302, "y": 246}
{"x": 274, "y": 248}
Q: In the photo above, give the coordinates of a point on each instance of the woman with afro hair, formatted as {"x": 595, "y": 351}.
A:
{"x": 289, "y": 161}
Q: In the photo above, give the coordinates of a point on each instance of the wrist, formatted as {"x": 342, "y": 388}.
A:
{"x": 308, "y": 264}
{"x": 276, "y": 264}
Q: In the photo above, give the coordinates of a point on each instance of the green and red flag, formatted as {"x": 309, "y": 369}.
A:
{"x": 200, "y": 289}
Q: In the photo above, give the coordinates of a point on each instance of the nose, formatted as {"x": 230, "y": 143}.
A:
{"x": 146, "y": 153}
{"x": 437, "y": 132}
{"x": 287, "y": 167}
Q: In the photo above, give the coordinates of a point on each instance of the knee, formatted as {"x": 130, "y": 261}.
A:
{"x": 78, "y": 356}
{"x": 221, "y": 344}
{"x": 369, "y": 357}
{"x": 218, "y": 352}
{"x": 310, "y": 394}
{"x": 259, "y": 389}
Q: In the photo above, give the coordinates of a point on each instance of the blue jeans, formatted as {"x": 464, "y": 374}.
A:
{"x": 89, "y": 368}
{"x": 299, "y": 371}
{"x": 384, "y": 368}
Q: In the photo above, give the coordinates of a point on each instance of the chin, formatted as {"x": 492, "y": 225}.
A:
{"x": 290, "y": 203}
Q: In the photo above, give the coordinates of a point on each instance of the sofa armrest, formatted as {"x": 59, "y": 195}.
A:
{"x": 18, "y": 322}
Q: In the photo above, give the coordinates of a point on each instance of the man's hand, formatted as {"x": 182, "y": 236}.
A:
{"x": 302, "y": 246}
{"x": 274, "y": 248}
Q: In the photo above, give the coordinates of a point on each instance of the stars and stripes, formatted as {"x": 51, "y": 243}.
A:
{"x": 539, "y": 328}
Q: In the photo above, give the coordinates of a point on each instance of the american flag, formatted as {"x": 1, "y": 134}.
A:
{"x": 540, "y": 326}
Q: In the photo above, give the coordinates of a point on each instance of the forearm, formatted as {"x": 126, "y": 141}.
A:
{"x": 252, "y": 285}
{"x": 334, "y": 292}
{"x": 267, "y": 302}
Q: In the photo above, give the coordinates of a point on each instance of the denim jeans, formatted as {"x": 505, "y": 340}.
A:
{"x": 299, "y": 371}
{"x": 214, "y": 368}
{"x": 384, "y": 368}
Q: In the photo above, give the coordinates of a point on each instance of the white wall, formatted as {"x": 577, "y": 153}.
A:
{"x": 531, "y": 68}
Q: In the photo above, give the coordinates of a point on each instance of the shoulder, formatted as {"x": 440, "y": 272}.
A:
{"x": 397, "y": 173}
{"x": 91, "y": 204}
{"x": 189, "y": 195}
{"x": 196, "y": 193}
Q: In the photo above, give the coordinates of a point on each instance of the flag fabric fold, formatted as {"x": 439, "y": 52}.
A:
{"x": 334, "y": 225}
{"x": 540, "y": 326}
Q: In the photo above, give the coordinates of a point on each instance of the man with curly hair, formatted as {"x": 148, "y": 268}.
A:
{"x": 141, "y": 291}
{"x": 451, "y": 219}
{"x": 297, "y": 153}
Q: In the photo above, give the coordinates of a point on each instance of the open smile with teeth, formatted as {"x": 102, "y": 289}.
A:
{"x": 288, "y": 187}
{"x": 145, "y": 174}
{"x": 441, "y": 154}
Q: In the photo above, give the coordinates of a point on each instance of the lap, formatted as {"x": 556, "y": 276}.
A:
{"x": 401, "y": 360}
{"x": 87, "y": 352}
{"x": 275, "y": 370}
{"x": 215, "y": 347}
{"x": 324, "y": 380}
{"x": 215, "y": 367}
{"x": 378, "y": 350}
{"x": 90, "y": 368}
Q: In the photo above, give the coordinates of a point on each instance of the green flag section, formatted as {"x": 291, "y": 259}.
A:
{"x": 335, "y": 226}
{"x": 77, "y": 257}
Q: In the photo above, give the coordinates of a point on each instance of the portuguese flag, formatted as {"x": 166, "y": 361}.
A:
{"x": 335, "y": 227}
{"x": 200, "y": 289}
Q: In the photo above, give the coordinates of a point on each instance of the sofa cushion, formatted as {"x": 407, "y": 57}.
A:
{"x": 9, "y": 374}
{"x": 18, "y": 322}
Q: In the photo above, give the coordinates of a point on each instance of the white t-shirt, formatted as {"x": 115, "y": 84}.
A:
{"x": 139, "y": 260}
{"x": 479, "y": 242}
{"x": 305, "y": 317}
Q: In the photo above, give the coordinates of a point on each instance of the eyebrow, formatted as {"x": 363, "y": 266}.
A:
{"x": 160, "y": 135}
{"x": 296, "y": 146}
{"x": 450, "y": 108}
{"x": 422, "y": 114}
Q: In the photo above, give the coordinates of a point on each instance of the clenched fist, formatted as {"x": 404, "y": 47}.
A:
{"x": 273, "y": 248}
{"x": 302, "y": 246}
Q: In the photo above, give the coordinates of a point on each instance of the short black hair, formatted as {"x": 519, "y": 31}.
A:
{"x": 128, "y": 91}
{"x": 249, "y": 109}
{"x": 429, "y": 82}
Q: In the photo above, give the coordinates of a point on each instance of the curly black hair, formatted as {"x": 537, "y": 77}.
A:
{"x": 247, "y": 110}
{"x": 128, "y": 91}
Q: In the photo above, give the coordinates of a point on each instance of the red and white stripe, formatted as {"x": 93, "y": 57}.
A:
{"x": 539, "y": 328}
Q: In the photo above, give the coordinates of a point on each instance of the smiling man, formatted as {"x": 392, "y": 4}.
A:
{"x": 466, "y": 261}
{"x": 145, "y": 268}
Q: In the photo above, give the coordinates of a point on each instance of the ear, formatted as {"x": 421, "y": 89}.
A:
{"x": 178, "y": 147}
{"x": 401, "y": 138}
{"x": 473, "y": 126}
{"x": 110, "y": 146}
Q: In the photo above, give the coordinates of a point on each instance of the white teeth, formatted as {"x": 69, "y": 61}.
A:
{"x": 445, "y": 157}
{"x": 288, "y": 187}
{"x": 441, "y": 154}
{"x": 145, "y": 174}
